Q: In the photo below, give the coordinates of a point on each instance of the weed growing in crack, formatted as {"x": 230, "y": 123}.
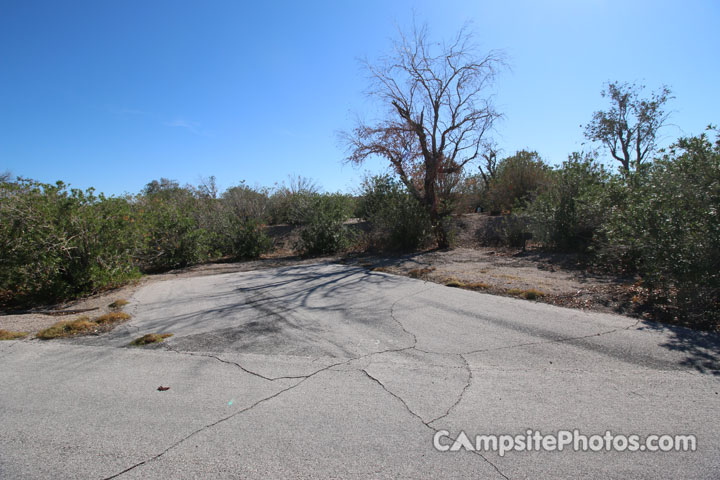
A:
{"x": 150, "y": 338}
{"x": 118, "y": 304}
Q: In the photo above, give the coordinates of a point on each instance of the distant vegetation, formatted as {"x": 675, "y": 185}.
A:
{"x": 657, "y": 217}
{"x": 660, "y": 221}
{"x": 57, "y": 243}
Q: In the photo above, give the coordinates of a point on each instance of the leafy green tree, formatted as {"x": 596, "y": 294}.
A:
{"x": 158, "y": 186}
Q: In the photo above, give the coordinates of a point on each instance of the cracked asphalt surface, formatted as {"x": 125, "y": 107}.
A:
{"x": 331, "y": 371}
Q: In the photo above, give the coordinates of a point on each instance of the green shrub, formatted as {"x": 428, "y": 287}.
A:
{"x": 324, "y": 230}
{"x": 397, "y": 220}
{"x": 290, "y": 203}
{"x": 173, "y": 233}
{"x": 249, "y": 240}
{"x": 668, "y": 228}
{"x": 569, "y": 213}
{"x": 55, "y": 243}
{"x": 518, "y": 180}
{"x": 515, "y": 231}
{"x": 247, "y": 203}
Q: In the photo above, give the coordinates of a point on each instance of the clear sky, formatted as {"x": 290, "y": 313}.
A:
{"x": 116, "y": 94}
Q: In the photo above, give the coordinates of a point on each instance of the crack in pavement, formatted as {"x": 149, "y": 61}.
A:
{"x": 246, "y": 409}
{"x": 462, "y": 393}
{"x": 559, "y": 340}
{"x": 244, "y": 369}
{"x": 303, "y": 378}
{"x": 201, "y": 429}
{"x": 392, "y": 313}
{"x": 427, "y": 424}
{"x": 430, "y": 352}
{"x": 10, "y": 347}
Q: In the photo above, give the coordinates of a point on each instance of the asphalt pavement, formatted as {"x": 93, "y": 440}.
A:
{"x": 333, "y": 371}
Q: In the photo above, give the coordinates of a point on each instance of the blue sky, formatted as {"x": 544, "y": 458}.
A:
{"x": 116, "y": 94}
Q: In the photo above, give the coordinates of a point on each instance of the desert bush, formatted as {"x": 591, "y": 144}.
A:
{"x": 249, "y": 240}
{"x": 290, "y": 203}
{"x": 668, "y": 228}
{"x": 397, "y": 220}
{"x": 469, "y": 194}
{"x": 568, "y": 214}
{"x": 248, "y": 203}
{"x": 515, "y": 230}
{"x": 323, "y": 225}
{"x": 289, "y": 208}
{"x": 172, "y": 231}
{"x": 56, "y": 243}
{"x": 518, "y": 180}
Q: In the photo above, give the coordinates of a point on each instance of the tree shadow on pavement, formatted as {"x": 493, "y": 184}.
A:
{"x": 701, "y": 349}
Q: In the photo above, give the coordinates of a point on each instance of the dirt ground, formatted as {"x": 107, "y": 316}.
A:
{"x": 533, "y": 275}
{"x": 559, "y": 279}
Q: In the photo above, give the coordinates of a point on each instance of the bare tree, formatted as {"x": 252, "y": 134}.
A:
{"x": 488, "y": 167}
{"x": 207, "y": 187}
{"x": 629, "y": 128}
{"x": 297, "y": 184}
{"x": 438, "y": 113}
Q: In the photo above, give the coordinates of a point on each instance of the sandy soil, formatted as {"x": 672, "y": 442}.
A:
{"x": 551, "y": 278}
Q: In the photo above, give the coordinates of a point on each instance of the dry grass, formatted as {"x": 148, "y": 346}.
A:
{"x": 118, "y": 304}
{"x": 381, "y": 270}
{"x": 509, "y": 277}
{"x": 453, "y": 282}
{"x": 150, "y": 338}
{"x": 8, "y": 335}
{"x": 530, "y": 294}
{"x": 112, "y": 317}
{"x": 420, "y": 272}
{"x": 82, "y": 325}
